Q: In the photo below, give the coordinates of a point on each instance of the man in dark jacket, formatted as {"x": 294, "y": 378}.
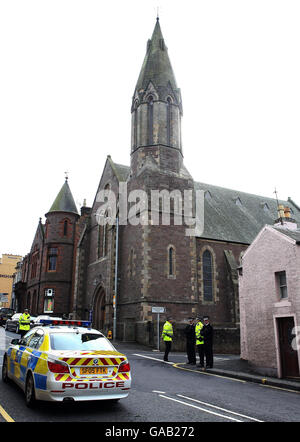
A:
{"x": 207, "y": 333}
{"x": 190, "y": 342}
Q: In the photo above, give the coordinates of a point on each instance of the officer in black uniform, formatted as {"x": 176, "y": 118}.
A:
{"x": 207, "y": 333}
{"x": 190, "y": 341}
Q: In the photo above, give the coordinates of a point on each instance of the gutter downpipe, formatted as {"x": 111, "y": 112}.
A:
{"x": 116, "y": 281}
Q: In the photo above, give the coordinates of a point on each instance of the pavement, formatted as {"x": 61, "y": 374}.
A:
{"x": 227, "y": 365}
{"x": 232, "y": 366}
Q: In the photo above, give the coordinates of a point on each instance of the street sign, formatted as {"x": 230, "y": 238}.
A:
{"x": 158, "y": 309}
{"x": 3, "y": 297}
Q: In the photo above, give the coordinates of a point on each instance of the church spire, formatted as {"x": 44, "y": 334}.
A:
{"x": 156, "y": 106}
{"x": 64, "y": 202}
{"x": 157, "y": 68}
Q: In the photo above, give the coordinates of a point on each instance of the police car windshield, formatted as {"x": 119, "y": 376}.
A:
{"x": 79, "y": 341}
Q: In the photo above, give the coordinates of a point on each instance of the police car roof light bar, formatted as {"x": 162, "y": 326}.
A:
{"x": 65, "y": 322}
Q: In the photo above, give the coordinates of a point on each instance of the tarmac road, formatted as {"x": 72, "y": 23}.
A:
{"x": 161, "y": 392}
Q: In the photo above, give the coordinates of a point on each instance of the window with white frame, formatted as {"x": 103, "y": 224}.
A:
{"x": 49, "y": 301}
{"x": 282, "y": 284}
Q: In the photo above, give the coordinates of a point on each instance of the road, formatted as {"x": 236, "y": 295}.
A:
{"x": 161, "y": 392}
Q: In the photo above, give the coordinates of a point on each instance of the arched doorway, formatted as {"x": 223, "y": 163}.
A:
{"x": 99, "y": 309}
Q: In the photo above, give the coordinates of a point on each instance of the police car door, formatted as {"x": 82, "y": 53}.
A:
{"x": 30, "y": 356}
{"x": 18, "y": 356}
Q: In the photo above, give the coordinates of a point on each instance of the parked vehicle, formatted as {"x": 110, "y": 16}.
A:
{"x": 12, "y": 324}
{"x": 66, "y": 361}
{"x": 5, "y": 314}
{"x": 37, "y": 320}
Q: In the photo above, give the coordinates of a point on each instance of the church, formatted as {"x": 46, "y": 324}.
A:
{"x": 117, "y": 271}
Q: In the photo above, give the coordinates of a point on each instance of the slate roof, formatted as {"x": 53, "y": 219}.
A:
{"x": 64, "y": 202}
{"x": 231, "y": 215}
{"x": 294, "y": 234}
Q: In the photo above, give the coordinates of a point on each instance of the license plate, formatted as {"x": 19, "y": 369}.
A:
{"x": 93, "y": 370}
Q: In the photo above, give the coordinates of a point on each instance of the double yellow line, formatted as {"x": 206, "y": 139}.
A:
{"x": 5, "y": 415}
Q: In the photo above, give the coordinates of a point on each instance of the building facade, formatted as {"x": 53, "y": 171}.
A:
{"x": 270, "y": 301}
{"x": 47, "y": 283}
{"x": 119, "y": 260}
{"x": 8, "y": 265}
{"x": 127, "y": 267}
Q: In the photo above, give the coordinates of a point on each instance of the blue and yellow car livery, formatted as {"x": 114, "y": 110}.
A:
{"x": 47, "y": 364}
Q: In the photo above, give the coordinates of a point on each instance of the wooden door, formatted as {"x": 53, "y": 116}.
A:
{"x": 288, "y": 355}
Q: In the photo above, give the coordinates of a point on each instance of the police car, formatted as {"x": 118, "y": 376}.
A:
{"x": 66, "y": 361}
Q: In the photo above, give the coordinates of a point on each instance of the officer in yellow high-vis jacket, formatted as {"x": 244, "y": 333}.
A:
{"x": 167, "y": 336}
{"x": 199, "y": 341}
{"x": 24, "y": 323}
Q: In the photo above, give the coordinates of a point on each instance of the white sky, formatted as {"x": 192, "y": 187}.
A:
{"x": 67, "y": 76}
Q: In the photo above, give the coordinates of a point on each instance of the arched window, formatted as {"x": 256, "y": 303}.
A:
{"x": 52, "y": 259}
{"x": 135, "y": 124}
{"x": 169, "y": 120}
{"x": 102, "y": 240}
{"x": 171, "y": 261}
{"x": 150, "y": 120}
{"x": 99, "y": 242}
{"x": 65, "y": 228}
{"x": 105, "y": 238}
{"x": 207, "y": 269}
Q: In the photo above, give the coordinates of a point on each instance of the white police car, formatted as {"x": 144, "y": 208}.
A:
{"x": 65, "y": 361}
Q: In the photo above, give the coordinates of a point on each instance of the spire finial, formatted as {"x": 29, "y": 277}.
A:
{"x": 157, "y": 16}
{"x": 66, "y": 175}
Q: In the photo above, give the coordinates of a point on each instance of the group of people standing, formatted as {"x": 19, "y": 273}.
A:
{"x": 199, "y": 334}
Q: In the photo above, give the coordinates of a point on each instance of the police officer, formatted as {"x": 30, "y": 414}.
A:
{"x": 207, "y": 333}
{"x": 190, "y": 341}
{"x": 199, "y": 341}
{"x": 24, "y": 323}
{"x": 167, "y": 336}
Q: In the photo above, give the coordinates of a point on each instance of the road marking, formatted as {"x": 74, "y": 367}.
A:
{"x": 5, "y": 415}
{"x": 206, "y": 373}
{"x": 176, "y": 365}
{"x": 279, "y": 388}
{"x": 219, "y": 408}
{"x": 154, "y": 359}
{"x": 201, "y": 409}
{"x": 156, "y": 391}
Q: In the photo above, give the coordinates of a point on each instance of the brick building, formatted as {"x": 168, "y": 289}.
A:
{"x": 270, "y": 300}
{"x": 47, "y": 283}
{"x": 115, "y": 272}
{"x": 8, "y": 264}
{"x": 148, "y": 265}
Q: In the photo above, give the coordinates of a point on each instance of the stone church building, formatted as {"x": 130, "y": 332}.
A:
{"x": 117, "y": 271}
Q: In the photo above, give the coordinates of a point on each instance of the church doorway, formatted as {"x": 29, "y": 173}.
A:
{"x": 99, "y": 309}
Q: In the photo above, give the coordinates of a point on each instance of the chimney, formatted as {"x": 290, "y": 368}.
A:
{"x": 84, "y": 209}
{"x": 284, "y": 220}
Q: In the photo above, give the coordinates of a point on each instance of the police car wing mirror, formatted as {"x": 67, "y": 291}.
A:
{"x": 15, "y": 341}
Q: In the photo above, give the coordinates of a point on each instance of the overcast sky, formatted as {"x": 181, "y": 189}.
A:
{"x": 68, "y": 73}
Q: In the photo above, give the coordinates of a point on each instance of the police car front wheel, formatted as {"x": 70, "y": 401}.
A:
{"x": 5, "y": 377}
{"x": 29, "y": 391}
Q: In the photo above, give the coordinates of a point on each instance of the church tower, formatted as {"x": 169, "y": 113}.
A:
{"x": 156, "y": 110}
{"x": 58, "y": 254}
{"x": 157, "y": 258}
